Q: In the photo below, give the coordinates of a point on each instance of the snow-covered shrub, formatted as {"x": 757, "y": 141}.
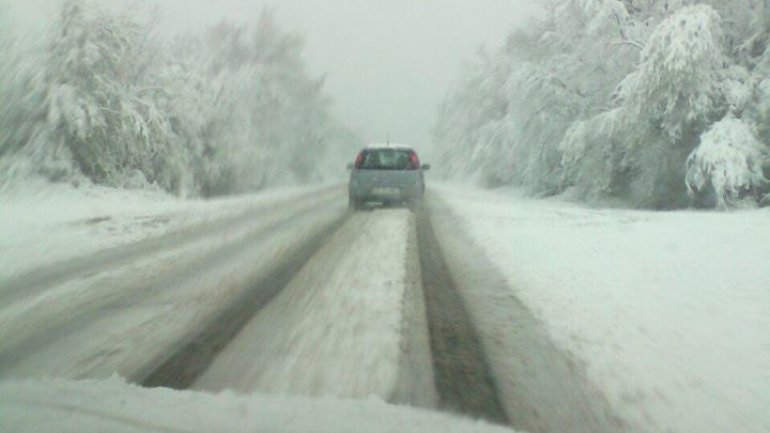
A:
{"x": 493, "y": 154}
{"x": 737, "y": 87}
{"x": 727, "y": 164}
{"x": 593, "y": 159}
{"x": 759, "y": 111}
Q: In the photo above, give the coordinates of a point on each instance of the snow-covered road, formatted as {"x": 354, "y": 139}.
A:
{"x": 543, "y": 315}
{"x": 117, "y": 310}
{"x": 341, "y": 325}
{"x": 286, "y": 297}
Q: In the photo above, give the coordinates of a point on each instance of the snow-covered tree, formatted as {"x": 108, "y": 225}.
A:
{"x": 611, "y": 97}
{"x": 676, "y": 84}
{"x": 272, "y": 117}
{"x": 727, "y": 165}
{"x": 98, "y": 115}
{"x": 463, "y": 148}
{"x": 680, "y": 86}
{"x": 103, "y": 100}
{"x": 562, "y": 70}
{"x": 744, "y": 21}
{"x": 592, "y": 157}
{"x": 668, "y": 101}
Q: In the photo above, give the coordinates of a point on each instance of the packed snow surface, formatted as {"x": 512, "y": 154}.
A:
{"x": 43, "y": 223}
{"x": 114, "y": 406}
{"x": 348, "y": 325}
{"x": 343, "y": 326}
{"x": 667, "y": 312}
{"x": 120, "y": 314}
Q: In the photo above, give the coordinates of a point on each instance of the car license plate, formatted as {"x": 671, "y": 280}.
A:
{"x": 385, "y": 191}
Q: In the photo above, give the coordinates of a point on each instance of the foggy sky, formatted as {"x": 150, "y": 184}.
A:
{"x": 387, "y": 63}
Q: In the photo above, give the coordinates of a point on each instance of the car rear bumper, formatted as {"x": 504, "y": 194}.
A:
{"x": 386, "y": 193}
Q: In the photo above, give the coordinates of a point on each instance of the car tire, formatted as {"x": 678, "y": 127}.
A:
{"x": 413, "y": 204}
{"x": 354, "y": 203}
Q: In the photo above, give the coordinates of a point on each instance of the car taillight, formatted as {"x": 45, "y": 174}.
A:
{"x": 415, "y": 160}
{"x": 359, "y": 159}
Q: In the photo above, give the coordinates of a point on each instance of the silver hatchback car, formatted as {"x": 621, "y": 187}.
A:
{"x": 387, "y": 174}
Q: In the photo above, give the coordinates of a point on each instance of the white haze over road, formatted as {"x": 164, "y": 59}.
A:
{"x": 387, "y": 63}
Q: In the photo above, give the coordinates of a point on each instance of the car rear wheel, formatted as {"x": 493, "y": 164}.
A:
{"x": 413, "y": 204}
{"x": 354, "y": 203}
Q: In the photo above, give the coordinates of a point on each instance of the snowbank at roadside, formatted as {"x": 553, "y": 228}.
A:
{"x": 115, "y": 406}
{"x": 42, "y": 223}
{"x": 668, "y": 312}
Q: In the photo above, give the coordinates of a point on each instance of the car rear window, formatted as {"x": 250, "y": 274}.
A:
{"x": 389, "y": 159}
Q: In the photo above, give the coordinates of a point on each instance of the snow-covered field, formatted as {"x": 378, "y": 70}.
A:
{"x": 668, "y": 313}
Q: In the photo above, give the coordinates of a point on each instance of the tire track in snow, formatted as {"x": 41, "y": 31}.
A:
{"x": 182, "y": 367}
{"x": 463, "y": 378}
{"x": 36, "y": 281}
{"x": 349, "y": 324}
{"x": 542, "y": 388}
{"x": 15, "y": 349}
